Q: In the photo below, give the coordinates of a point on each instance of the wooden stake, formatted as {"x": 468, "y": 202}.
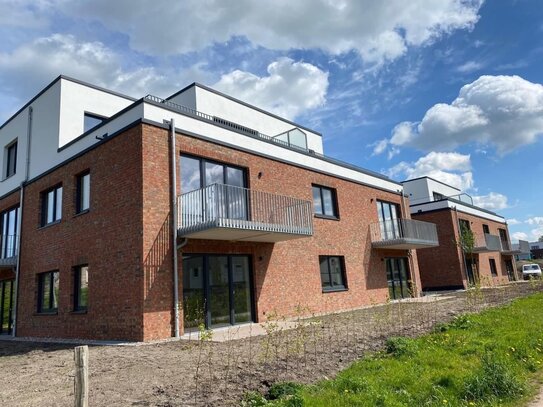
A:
{"x": 81, "y": 384}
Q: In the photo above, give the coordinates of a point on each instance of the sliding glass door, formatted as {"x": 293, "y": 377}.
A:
{"x": 216, "y": 290}
{"x": 388, "y": 220}
{"x": 398, "y": 278}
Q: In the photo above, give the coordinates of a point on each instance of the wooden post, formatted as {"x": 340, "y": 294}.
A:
{"x": 81, "y": 383}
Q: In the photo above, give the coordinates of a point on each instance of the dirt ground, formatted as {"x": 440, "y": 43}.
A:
{"x": 198, "y": 373}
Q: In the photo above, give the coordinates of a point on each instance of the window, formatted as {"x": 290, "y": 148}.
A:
{"x": 83, "y": 193}
{"x": 332, "y": 273}
{"x": 51, "y": 206}
{"x": 8, "y": 239}
{"x": 390, "y": 226}
{"x": 486, "y": 229}
{"x": 90, "y": 121}
{"x": 464, "y": 225}
{"x": 81, "y": 288}
{"x": 325, "y": 202}
{"x": 493, "y": 269}
{"x": 48, "y": 292}
{"x": 11, "y": 159}
{"x": 438, "y": 196}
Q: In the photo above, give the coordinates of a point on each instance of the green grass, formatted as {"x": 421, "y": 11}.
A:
{"x": 489, "y": 359}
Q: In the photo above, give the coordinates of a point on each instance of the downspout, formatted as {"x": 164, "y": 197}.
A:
{"x": 174, "y": 229}
{"x": 20, "y": 220}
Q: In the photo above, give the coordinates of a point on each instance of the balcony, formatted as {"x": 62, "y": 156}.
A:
{"x": 487, "y": 243}
{"x": 507, "y": 249}
{"x": 403, "y": 234}
{"x": 227, "y": 212}
{"x": 8, "y": 251}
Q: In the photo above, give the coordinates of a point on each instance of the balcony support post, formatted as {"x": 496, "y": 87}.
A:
{"x": 174, "y": 228}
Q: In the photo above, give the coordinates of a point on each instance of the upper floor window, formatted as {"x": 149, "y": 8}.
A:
{"x": 332, "y": 273}
{"x": 90, "y": 121}
{"x": 325, "y": 202}
{"x": 81, "y": 288}
{"x": 51, "y": 205}
{"x": 82, "y": 203}
{"x": 8, "y": 239}
{"x": 11, "y": 159}
{"x": 48, "y": 287}
{"x": 464, "y": 225}
{"x": 486, "y": 229}
{"x": 438, "y": 196}
{"x": 388, "y": 214}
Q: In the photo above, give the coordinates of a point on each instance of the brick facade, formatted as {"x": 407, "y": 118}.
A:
{"x": 444, "y": 266}
{"x": 125, "y": 239}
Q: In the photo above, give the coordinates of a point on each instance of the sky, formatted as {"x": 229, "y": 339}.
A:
{"x": 452, "y": 89}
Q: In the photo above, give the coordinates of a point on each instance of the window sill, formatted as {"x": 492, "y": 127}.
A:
{"x": 45, "y": 313}
{"x": 79, "y": 312}
{"x": 334, "y": 290}
{"x": 316, "y": 215}
{"x": 81, "y": 213}
{"x": 8, "y": 177}
{"x": 49, "y": 224}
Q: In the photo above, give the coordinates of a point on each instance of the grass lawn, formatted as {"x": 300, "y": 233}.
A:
{"x": 494, "y": 358}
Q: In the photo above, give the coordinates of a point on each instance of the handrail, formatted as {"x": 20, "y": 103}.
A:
{"x": 394, "y": 229}
{"x": 230, "y": 206}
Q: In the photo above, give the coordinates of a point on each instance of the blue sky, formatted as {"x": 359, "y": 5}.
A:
{"x": 449, "y": 88}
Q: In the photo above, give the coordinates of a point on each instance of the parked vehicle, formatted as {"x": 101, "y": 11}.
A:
{"x": 531, "y": 271}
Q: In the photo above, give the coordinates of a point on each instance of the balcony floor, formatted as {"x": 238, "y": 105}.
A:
{"x": 8, "y": 262}
{"x": 404, "y": 244}
{"x": 248, "y": 231}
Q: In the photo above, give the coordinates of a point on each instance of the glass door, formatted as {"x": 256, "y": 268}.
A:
{"x": 216, "y": 290}
{"x": 6, "y": 306}
{"x": 398, "y": 278}
{"x": 8, "y": 245}
{"x": 388, "y": 220}
{"x": 510, "y": 270}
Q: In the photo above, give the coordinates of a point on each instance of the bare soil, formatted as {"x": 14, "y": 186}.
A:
{"x": 199, "y": 373}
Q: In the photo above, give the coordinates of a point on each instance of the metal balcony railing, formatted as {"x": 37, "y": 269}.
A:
{"x": 487, "y": 243}
{"x": 403, "y": 234}
{"x": 219, "y": 207}
{"x": 8, "y": 250}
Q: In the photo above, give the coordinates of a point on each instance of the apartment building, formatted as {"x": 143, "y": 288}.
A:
{"x": 487, "y": 260}
{"x": 138, "y": 219}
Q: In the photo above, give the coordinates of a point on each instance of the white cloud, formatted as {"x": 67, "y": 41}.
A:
{"x": 470, "y": 66}
{"x": 289, "y": 89}
{"x": 519, "y": 236}
{"x": 379, "y": 146}
{"x": 536, "y": 220}
{"x": 492, "y": 201}
{"x": 513, "y": 221}
{"x": 451, "y": 168}
{"x": 503, "y": 111}
{"x": 378, "y": 31}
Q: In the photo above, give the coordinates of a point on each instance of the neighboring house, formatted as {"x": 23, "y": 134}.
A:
{"x": 97, "y": 193}
{"x": 524, "y": 250}
{"x": 491, "y": 260}
{"x": 536, "y": 250}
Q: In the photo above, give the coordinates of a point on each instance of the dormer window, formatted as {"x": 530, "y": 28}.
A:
{"x": 90, "y": 121}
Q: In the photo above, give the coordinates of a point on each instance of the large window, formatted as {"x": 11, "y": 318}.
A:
{"x": 332, "y": 273}
{"x": 83, "y": 192}
{"x": 51, "y": 205}
{"x": 81, "y": 288}
{"x": 493, "y": 268}
{"x": 388, "y": 220}
{"x": 90, "y": 121}
{"x": 11, "y": 159}
{"x": 325, "y": 202}
{"x": 8, "y": 243}
{"x": 48, "y": 286}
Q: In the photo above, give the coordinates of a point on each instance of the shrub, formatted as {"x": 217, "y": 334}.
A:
{"x": 253, "y": 399}
{"x": 399, "y": 346}
{"x": 283, "y": 389}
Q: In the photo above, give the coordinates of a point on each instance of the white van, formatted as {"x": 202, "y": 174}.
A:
{"x": 531, "y": 270}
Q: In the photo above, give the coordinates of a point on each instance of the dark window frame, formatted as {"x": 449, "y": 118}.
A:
{"x": 50, "y": 309}
{"x": 77, "y": 306}
{"x": 79, "y": 192}
{"x": 11, "y": 159}
{"x": 45, "y": 202}
{"x": 332, "y": 287}
{"x": 10, "y": 247}
{"x": 202, "y": 162}
{"x": 493, "y": 267}
{"x": 335, "y": 205}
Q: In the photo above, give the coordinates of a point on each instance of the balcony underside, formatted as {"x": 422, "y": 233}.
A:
{"x": 8, "y": 262}
{"x": 484, "y": 250}
{"x": 405, "y": 244}
{"x": 226, "y": 229}
{"x": 512, "y": 252}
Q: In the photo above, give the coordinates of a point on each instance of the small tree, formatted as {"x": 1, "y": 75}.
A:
{"x": 466, "y": 242}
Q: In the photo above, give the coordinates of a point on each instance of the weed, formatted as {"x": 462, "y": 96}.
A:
{"x": 400, "y": 346}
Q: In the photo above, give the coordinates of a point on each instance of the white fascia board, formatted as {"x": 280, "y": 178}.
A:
{"x": 222, "y": 135}
{"x": 432, "y": 206}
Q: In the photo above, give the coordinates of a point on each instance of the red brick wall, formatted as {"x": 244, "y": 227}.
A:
{"x": 108, "y": 238}
{"x": 286, "y": 274}
{"x": 443, "y": 266}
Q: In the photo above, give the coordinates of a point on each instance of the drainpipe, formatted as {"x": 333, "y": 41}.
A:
{"x": 20, "y": 220}
{"x": 174, "y": 229}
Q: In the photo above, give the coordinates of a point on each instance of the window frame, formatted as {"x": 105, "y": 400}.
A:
{"x": 45, "y": 205}
{"x": 493, "y": 267}
{"x": 9, "y": 157}
{"x": 77, "y": 306}
{"x": 92, "y": 116}
{"x": 41, "y": 280}
{"x": 335, "y": 205}
{"x": 79, "y": 197}
{"x": 332, "y": 287}
{"x": 486, "y": 229}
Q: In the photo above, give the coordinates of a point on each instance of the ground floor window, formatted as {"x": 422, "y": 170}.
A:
{"x": 493, "y": 268}
{"x": 6, "y": 306}
{"x": 510, "y": 270}
{"x": 81, "y": 288}
{"x": 332, "y": 273}
{"x": 398, "y": 277}
{"x": 48, "y": 286}
{"x": 217, "y": 290}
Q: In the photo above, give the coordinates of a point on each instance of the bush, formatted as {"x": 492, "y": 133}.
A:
{"x": 282, "y": 389}
{"x": 253, "y": 399}
{"x": 400, "y": 346}
{"x": 494, "y": 380}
